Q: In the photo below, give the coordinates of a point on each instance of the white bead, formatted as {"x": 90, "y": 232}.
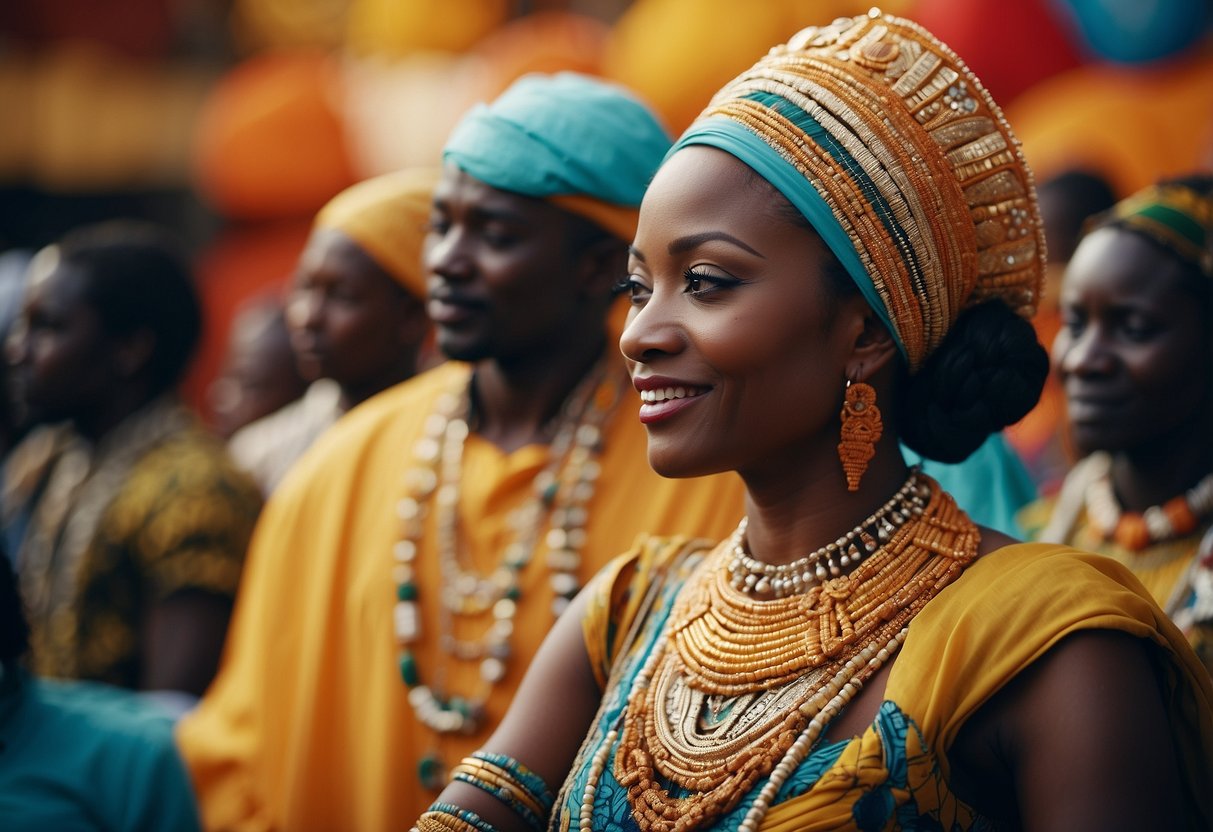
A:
{"x": 407, "y": 621}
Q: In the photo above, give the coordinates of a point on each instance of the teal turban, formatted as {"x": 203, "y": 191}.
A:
{"x": 564, "y": 135}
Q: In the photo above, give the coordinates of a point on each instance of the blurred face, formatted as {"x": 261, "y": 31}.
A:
{"x": 502, "y": 272}
{"x": 59, "y": 350}
{"x": 1134, "y": 352}
{"x": 259, "y": 373}
{"x": 733, "y": 340}
{"x": 349, "y": 320}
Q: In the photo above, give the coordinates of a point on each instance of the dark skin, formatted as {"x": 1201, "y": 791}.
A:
{"x": 1036, "y": 756}
{"x": 512, "y": 292}
{"x": 350, "y": 320}
{"x": 1136, "y": 360}
{"x": 69, "y": 367}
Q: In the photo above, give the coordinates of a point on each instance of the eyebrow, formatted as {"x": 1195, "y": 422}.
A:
{"x": 683, "y": 244}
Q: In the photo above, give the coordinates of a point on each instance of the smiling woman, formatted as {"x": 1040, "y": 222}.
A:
{"x": 1135, "y": 355}
{"x": 839, "y": 255}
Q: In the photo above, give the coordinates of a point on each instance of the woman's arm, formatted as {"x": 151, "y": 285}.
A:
{"x": 547, "y": 720}
{"x": 1080, "y": 741}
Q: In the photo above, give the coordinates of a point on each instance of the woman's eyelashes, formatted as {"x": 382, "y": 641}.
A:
{"x": 701, "y": 284}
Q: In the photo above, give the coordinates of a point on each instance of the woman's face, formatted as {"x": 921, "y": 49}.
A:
{"x": 733, "y": 339}
{"x": 1135, "y": 353}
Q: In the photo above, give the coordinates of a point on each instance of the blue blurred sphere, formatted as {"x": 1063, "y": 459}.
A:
{"x": 1136, "y": 31}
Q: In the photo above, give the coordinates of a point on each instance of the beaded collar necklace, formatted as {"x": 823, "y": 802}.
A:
{"x": 562, "y": 493}
{"x": 738, "y": 688}
{"x": 763, "y": 579}
{"x": 1177, "y": 517}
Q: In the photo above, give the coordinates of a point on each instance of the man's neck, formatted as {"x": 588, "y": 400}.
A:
{"x": 515, "y": 405}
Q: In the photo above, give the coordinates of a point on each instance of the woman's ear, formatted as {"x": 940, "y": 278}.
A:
{"x": 133, "y": 352}
{"x": 874, "y": 346}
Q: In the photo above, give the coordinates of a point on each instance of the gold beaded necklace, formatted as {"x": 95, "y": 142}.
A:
{"x": 562, "y": 493}
{"x": 739, "y": 688}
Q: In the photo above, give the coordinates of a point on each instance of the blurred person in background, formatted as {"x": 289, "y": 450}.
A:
{"x": 432, "y": 536}
{"x": 138, "y": 526}
{"x": 355, "y": 314}
{"x": 1067, "y": 201}
{"x": 1135, "y": 357}
{"x": 81, "y": 755}
{"x": 259, "y": 374}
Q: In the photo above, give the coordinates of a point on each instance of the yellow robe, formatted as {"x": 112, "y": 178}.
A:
{"x": 981, "y": 632}
{"x": 308, "y": 725}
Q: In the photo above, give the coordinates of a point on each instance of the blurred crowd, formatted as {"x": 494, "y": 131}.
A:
{"x": 212, "y": 215}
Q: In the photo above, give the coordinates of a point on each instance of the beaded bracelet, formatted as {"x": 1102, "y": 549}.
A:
{"x": 531, "y": 782}
{"x": 501, "y": 789}
{"x": 445, "y": 817}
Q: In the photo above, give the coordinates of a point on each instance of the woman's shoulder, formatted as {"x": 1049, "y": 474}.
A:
{"x": 1003, "y": 614}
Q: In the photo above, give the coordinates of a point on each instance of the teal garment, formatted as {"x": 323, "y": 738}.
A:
{"x": 78, "y": 756}
{"x": 561, "y": 135}
{"x": 992, "y": 485}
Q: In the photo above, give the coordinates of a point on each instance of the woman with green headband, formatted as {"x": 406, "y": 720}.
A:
{"x": 1135, "y": 355}
{"x": 839, "y": 254}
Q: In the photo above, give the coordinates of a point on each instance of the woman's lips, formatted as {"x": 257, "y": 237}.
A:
{"x": 661, "y": 403}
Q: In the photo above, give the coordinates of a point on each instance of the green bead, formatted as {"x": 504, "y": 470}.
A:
{"x": 408, "y": 668}
{"x": 430, "y": 773}
{"x": 513, "y": 593}
{"x": 406, "y": 592}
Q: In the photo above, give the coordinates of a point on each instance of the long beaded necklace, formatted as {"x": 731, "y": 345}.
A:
{"x": 1177, "y": 517}
{"x": 562, "y": 493}
{"x": 785, "y": 665}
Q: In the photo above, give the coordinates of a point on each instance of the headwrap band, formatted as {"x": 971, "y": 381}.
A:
{"x": 588, "y": 146}
{"x": 1177, "y": 217}
{"x": 387, "y": 217}
{"x": 896, "y": 155}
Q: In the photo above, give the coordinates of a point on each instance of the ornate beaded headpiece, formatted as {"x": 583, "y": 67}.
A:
{"x": 899, "y": 158}
{"x": 1176, "y": 216}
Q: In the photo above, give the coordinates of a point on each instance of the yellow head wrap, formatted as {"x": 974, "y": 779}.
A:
{"x": 891, "y": 148}
{"x": 387, "y": 216}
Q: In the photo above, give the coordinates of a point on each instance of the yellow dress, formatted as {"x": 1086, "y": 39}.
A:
{"x": 966, "y": 644}
{"x": 308, "y": 725}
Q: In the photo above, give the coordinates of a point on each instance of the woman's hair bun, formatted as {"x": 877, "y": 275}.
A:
{"x": 987, "y": 374}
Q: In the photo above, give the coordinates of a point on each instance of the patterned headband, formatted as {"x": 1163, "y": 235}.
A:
{"x": 891, "y": 148}
{"x": 1174, "y": 215}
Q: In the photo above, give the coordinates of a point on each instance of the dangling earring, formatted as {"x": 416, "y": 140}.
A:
{"x": 861, "y": 429}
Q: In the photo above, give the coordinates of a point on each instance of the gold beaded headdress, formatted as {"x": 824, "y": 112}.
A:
{"x": 895, "y": 153}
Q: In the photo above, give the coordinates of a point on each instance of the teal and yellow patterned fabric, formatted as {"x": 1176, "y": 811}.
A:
{"x": 969, "y": 642}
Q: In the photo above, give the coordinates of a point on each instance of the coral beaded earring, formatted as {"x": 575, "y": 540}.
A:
{"x": 861, "y": 429}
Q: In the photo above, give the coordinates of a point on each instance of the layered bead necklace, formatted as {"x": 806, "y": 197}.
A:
{"x": 562, "y": 492}
{"x": 1177, "y": 517}
{"x": 740, "y": 687}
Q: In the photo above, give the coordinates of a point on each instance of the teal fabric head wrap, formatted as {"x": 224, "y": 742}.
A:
{"x": 564, "y": 134}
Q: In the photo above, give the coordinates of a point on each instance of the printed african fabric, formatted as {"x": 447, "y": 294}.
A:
{"x": 967, "y": 643}
{"x": 155, "y": 508}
